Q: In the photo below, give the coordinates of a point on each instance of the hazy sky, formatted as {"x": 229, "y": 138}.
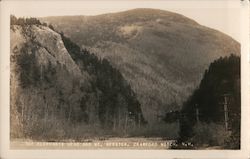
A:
{"x": 220, "y": 15}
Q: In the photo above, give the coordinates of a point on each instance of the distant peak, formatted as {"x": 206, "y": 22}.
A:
{"x": 149, "y": 14}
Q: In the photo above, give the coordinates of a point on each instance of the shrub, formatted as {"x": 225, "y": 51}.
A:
{"x": 210, "y": 135}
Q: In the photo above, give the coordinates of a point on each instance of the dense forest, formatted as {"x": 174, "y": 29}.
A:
{"x": 115, "y": 92}
{"x": 218, "y": 96}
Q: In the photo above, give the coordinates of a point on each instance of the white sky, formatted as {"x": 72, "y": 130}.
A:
{"x": 221, "y": 15}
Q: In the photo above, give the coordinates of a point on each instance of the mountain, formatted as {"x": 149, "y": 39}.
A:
{"x": 161, "y": 54}
{"x": 59, "y": 91}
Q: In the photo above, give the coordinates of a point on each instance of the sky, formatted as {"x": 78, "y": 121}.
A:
{"x": 221, "y": 15}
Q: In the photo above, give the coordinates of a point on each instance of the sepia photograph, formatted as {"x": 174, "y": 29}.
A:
{"x": 127, "y": 76}
{"x": 145, "y": 75}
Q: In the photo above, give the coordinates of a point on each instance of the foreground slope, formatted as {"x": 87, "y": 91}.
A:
{"x": 218, "y": 103}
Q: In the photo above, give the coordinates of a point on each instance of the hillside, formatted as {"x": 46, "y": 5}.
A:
{"x": 217, "y": 95}
{"x": 161, "y": 54}
{"x": 55, "y": 95}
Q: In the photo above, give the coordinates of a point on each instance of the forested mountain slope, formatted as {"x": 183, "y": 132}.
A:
{"x": 161, "y": 54}
{"x": 217, "y": 100}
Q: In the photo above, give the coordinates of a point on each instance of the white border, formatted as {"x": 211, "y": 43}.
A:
{"x": 7, "y": 7}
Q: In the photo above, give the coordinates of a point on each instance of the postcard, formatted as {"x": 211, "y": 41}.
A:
{"x": 127, "y": 79}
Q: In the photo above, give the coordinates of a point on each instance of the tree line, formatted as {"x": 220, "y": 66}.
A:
{"x": 28, "y": 21}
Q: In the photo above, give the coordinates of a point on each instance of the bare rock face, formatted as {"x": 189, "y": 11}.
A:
{"x": 162, "y": 55}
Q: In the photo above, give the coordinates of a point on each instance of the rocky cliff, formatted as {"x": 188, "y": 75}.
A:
{"x": 55, "y": 95}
